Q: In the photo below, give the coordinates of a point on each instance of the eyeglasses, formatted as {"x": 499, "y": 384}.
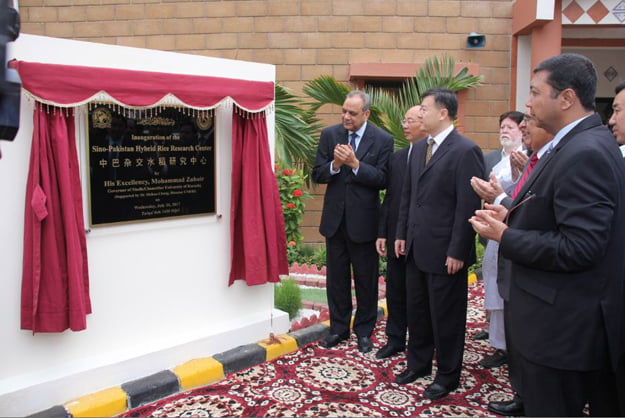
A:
{"x": 408, "y": 121}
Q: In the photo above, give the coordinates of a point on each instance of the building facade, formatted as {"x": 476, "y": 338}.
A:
{"x": 353, "y": 40}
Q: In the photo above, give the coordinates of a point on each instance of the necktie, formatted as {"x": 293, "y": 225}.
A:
{"x": 428, "y": 150}
{"x": 352, "y": 140}
{"x": 526, "y": 174}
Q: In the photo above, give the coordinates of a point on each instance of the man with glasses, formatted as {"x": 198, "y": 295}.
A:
{"x": 396, "y": 322}
{"x": 564, "y": 239}
{"x": 492, "y": 192}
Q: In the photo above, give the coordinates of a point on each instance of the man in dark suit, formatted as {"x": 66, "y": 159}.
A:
{"x": 396, "y": 322}
{"x": 439, "y": 244}
{"x": 492, "y": 191}
{"x": 617, "y": 123}
{"x": 617, "y": 120}
{"x": 352, "y": 159}
{"x": 564, "y": 240}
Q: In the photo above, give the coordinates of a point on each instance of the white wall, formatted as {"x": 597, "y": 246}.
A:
{"x": 604, "y": 58}
{"x": 158, "y": 289}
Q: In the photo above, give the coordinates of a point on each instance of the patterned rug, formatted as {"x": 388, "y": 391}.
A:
{"x": 341, "y": 381}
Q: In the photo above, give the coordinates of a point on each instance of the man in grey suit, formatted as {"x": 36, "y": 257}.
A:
{"x": 397, "y": 321}
{"x": 564, "y": 238}
{"x": 352, "y": 159}
{"x": 438, "y": 242}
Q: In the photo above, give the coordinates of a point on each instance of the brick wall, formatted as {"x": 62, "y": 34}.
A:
{"x": 304, "y": 39}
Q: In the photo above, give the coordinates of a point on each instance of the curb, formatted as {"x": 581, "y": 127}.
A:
{"x": 194, "y": 373}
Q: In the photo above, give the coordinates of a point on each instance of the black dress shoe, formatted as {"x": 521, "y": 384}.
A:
{"x": 332, "y": 340}
{"x": 482, "y": 335}
{"x": 498, "y": 358}
{"x": 364, "y": 344}
{"x": 408, "y": 376}
{"x": 387, "y": 351}
{"x": 437, "y": 391}
{"x": 507, "y": 408}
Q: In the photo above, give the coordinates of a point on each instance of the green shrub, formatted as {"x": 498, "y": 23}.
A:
{"x": 287, "y": 297}
{"x": 479, "y": 255}
{"x": 319, "y": 256}
{"x": 307, "y": 254}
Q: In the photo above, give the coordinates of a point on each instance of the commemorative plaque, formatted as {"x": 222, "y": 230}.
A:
{"x": 150, "y": 164}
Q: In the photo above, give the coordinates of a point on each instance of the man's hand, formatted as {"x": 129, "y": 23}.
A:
{"x": 518, "y": 159}
{"x": 487, "y": 190}
{"x": 453, "y": 265}
{"x": 380, "y": 246}
{"x": 344, "y": 155}
{"x": 400, "y": 247}
{"x": 489, "y": 222}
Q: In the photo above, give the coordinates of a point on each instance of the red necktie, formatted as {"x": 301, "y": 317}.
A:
{"x": 526, "y": 173}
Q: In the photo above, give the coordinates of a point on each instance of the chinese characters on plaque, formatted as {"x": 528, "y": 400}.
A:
{"x": 149, "y": 164}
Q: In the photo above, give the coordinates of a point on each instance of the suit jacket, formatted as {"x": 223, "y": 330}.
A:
{"x": 490, "y": 160}
{"x": 437, "y": 201}
{"x": 354, "y": 196}
{"x": 566, "y": 247}
{"x": 387, "y": 225}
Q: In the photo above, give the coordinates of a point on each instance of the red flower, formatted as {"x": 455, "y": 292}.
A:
{"x": 287, "y": 172}
{"x": 297, "y": 193}
{"x": 290, "y": 205}
{"x": 292, "y": 243}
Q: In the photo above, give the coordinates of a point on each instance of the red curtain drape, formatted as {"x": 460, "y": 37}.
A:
{"x": 258, "y": 242}
{"x": 55, "y": 291}
{"x": 55, "y": 281}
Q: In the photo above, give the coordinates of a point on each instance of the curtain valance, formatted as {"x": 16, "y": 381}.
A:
{"x": 70, "y": 86}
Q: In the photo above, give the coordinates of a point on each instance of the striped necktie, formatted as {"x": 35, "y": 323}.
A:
{"x": 525, "y": 175}
{"x": 352, "y": 140}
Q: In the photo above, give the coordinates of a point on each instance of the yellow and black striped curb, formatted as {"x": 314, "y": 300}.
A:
{"x": 194, "y": 373}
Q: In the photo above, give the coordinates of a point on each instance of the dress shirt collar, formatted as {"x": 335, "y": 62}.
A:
{"x": 438, "y": 139}
{"x": 360, "y": 132}
{"x": 562, "y": 132}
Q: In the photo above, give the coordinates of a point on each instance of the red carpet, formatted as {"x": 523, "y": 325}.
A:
{"x": 341, "y": 381}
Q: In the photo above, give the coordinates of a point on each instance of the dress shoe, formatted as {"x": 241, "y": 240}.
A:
{"x": 507, "y": 408}
{"x": 482, "y": 335}
{"x": 408, "y": 376}
{"x": 332, "y": 340}
{"x": 498, "y": 358}
{"x": 437, "y": 391}
{"x": 364, "y": 344}
{"x": 387, "y": 351}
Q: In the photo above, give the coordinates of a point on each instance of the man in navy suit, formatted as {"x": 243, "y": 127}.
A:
{"x": 564, "y": 240}
{"x": 397, "y": 321}
{"x": 352, "y": 159}
{"x": 434, "y": 234}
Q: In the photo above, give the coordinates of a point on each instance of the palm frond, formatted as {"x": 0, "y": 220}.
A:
{"x": 325, "y": 90}
{"x": 388, "y": 110}
{"x": 295, "y": 135}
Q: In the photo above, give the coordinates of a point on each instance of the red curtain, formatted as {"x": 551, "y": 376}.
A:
{"x": 258, "y": 242}
{"x": 55, "y": 281}
{"x": 55, "y": 289}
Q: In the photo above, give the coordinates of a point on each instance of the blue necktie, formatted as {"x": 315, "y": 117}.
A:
{"x": 352, "y": 140}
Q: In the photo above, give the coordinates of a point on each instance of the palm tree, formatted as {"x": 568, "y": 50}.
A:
{"x": 388, "y": 110}
{"x": 296, "y": 130}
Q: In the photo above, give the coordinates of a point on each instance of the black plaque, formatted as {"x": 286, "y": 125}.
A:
{"x": 150, "y": 164}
